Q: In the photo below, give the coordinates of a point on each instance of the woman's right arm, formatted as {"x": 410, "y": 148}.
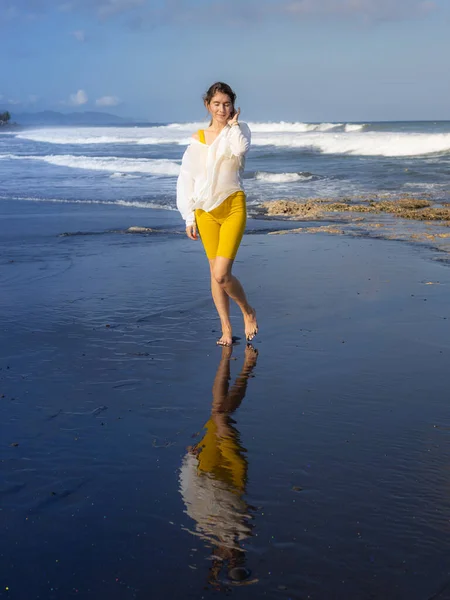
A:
{"x": 185, "y": 189}
{"x": 239, "y": 137}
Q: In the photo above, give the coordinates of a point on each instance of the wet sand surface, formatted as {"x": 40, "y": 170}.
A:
{"x": 322, "y": 473}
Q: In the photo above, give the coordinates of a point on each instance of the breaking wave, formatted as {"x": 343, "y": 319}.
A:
{"x": 125, "y": 203}
{"x": 118, "y": 166}
{"x": 363, "y": 144}
{"x": 283, "y": 177}
{"x": 327, "y": 138}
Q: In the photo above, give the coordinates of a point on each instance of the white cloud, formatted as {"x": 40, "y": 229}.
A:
{"x": 79, "y": 98}
{"x": 108, "y": 101}
{"x": 32, "y": 99}
{"x": 79, "y": 35}
{"x": 9, "y": 101}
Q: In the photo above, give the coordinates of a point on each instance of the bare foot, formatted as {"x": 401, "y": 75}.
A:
{"x": 227, "y": 351}
{"x": 251, "y": 325}
{"x": 251, "y": 356}
{"x": 227, "y": 337}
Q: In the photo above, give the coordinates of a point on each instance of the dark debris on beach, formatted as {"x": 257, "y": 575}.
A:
{"x": 409, "y": 218}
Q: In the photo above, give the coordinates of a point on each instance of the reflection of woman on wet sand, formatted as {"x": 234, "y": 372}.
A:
{"x": 214, "y": 475}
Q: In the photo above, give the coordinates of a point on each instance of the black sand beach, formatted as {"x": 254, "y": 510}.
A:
{"x": 340, "y": 447}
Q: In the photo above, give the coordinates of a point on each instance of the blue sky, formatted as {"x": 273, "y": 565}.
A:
{"x": 300, "y": 60}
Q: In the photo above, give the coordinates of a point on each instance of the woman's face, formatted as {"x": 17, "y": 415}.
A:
{"x": 220, "y": 108}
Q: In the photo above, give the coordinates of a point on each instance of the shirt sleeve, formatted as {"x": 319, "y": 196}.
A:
{"x": 239, "y": 137}
{"x": 185, "y": 188}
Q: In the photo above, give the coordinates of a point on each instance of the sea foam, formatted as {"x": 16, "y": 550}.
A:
{"x": 362, "y": 144}
{"x": 112, "y": 164}
{"x": 354, "y": 127}
{"x": 327, "y": 138}
{"x": 106, "y": 135}
{"x": 285, "y": 127}
{"x": 283, "y": 177}
{"x": 124, "y": 203}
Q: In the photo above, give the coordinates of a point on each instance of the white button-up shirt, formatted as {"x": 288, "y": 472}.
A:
{"x": 209, "y": 174}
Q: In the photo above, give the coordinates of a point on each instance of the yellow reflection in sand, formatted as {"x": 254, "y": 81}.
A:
{"x": 214, "y": 475}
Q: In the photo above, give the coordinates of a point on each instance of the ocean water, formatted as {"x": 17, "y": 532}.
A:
{"x": 138, "y": 165}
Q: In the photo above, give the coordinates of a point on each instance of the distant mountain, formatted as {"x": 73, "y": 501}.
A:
{"x": 51, "y": 117}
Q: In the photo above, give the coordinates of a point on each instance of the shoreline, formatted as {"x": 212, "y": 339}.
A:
{"x": 117, "y": 220}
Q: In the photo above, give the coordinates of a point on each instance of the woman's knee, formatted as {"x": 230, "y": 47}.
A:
{"x": 222, "y": 277}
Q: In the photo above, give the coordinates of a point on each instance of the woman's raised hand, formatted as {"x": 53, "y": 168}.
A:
{"x": 234, "y": 120}
{"x": 191, "y": 231}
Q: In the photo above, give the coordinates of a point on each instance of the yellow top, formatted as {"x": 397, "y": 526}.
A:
{"x": 201, "y": 136}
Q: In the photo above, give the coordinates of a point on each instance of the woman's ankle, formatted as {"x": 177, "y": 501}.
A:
{"x": 248, "y": 311}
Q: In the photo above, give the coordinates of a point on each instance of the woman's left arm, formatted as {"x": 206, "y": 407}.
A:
{"x": 239, "y": 137}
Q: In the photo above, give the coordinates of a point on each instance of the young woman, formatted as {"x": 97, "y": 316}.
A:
{"x": 211, "y": 200}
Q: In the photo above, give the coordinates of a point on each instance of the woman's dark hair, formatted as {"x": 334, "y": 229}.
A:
{"x": 219, "y": 88}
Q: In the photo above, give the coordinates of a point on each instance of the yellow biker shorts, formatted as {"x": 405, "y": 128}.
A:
{"x": 221, "y": 230}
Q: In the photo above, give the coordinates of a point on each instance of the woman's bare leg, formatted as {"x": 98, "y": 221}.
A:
{"x": 222, "y": 303}
{"x": 228, "y": 283}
